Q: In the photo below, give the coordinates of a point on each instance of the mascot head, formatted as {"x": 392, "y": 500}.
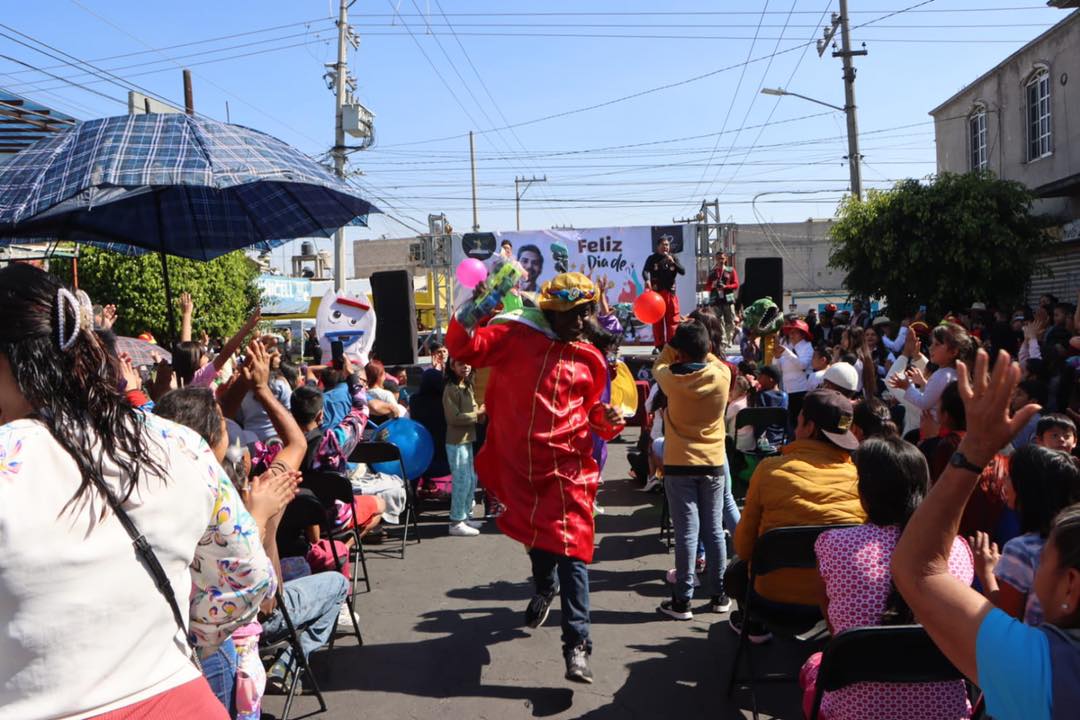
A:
{"x": 763, "y": 317}
{"x": 349, "y": 319}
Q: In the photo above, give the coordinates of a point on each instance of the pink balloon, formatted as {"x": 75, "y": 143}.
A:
{"x": 471, "y": 272}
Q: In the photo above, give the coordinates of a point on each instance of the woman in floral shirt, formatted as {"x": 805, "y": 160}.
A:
{"x": 85, "y": 630}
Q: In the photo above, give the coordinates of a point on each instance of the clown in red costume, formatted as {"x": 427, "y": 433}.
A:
{"x": 543, "y": 402}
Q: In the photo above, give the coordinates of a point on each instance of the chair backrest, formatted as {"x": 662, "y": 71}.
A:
{"x": 302, "y": 512}
{"x": 787, "y": 548}
{"x": 375, "y": 452}
{"x": 890, "y": 654}
{"x": 327, "y": 487}
{"x": 761, "y": 418}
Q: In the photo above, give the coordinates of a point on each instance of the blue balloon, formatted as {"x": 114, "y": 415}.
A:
{"x": 415, "y": 443}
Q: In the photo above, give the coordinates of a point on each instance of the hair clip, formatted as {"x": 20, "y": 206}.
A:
{"x": 82, "y": 309}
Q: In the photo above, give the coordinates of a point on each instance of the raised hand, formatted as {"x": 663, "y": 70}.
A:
{"x": 129, "y": 373}
{"x": 187, "y": 305}
{"x": 986, "y": 557}
{"x": 108, "y": 317}
{"x": 986, "y": 402}
{"x": 256, "y": 369}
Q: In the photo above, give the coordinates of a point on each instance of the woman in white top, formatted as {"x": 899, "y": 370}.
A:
{"x": 794, "y": 355}
{"x": 949, "y": 342}
{"x": 83, "y": 628}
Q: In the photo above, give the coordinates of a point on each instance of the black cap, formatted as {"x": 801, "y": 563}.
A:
{"x": 832, "y": 414}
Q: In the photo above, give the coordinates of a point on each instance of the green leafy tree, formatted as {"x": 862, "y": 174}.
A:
{"x": 223, "y": 290}
{"x": 943, "y": 243}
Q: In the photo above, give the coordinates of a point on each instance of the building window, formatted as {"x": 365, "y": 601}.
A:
{"x": 1038, "y": 115}
{"x": 977, "y": 137}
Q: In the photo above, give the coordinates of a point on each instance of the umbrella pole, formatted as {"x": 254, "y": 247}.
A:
{"x": 170, "y": 311}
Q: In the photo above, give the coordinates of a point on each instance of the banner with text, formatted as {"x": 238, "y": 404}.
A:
{"x": 615, "y": 255}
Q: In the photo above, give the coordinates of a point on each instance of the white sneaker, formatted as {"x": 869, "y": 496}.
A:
{"x": 344, "y": 618}
{"x": 462, "y": 529}
{"x": 477, "y": 524}
{"x": 652, "y": 483}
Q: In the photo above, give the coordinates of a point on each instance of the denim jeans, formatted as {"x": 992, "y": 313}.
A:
{"x": 220, "y": 671}
{"x": 314, "y": 599}
{"x": 731, "y": 512}
{"x": 573, "y": 593}
{"x": 696, "y": 503}
{"x": 463, "y": 484}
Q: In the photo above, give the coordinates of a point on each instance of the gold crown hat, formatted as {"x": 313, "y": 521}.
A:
{"x": 567, "y": 291}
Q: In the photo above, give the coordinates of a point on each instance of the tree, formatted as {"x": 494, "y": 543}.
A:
{"x": 223, "y": 290}
{"x": 943, "y": 243}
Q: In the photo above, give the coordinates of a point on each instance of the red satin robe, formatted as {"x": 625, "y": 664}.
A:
{"x": 537, "y": 454}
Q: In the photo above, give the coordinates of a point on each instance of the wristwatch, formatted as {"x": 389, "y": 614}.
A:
{"x": 959, "y": 460}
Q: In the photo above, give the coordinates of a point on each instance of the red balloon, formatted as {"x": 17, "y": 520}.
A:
{"x": 649, "y": 307}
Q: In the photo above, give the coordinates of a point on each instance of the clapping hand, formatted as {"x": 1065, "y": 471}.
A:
{"x": 268, "y": 494}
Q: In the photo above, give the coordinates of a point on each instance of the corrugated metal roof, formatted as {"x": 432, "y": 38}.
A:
{"x": 23, "y": 122}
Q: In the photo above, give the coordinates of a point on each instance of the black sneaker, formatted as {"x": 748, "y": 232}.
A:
{"x": 720, "y": 603}
{"x": 577, "y": 664}
{"x": 539, "y": 607}
{"x": 675, "y": 608}
{"x": 757, "y": 632}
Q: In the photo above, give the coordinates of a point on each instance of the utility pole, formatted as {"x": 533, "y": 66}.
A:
{"x": 189, "y": 95}
{"x": 472, "y": 164}
{"x": 340, "y": 79}
{"x": 845, "y": 53}
{"x": 518, "y": 182}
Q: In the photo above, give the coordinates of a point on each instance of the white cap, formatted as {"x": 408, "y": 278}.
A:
{"x": 843, "y": 375}
{"x": 978, "y": 306}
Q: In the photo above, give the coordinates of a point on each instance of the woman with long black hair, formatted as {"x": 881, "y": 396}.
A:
{"x": 91, "y": 626}
{"x": 858, "y": 590}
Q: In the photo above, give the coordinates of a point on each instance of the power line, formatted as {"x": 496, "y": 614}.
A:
{"x": 669, "y": 13}
{"x": 193, "y": 43}
{"x": 776, "y": 105}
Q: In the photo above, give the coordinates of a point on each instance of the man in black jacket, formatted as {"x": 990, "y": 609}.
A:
{"x": 659, "y": 274}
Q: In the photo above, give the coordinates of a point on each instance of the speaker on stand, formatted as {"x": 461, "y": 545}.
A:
{"x": 763, "y": 277}
{"x": 395, "y": 312}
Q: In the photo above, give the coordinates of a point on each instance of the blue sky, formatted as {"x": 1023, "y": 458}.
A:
{"x": 509, "y": 63}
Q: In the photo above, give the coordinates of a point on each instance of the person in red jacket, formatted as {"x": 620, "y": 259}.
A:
{"x": 543, "y": 402}
{"x": 723, "y": 288}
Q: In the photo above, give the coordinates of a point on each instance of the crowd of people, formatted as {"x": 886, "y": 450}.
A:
{"x": 940, "y": 448}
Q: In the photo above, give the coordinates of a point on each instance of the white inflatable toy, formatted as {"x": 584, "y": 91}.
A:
{"x": 348, "y": 319}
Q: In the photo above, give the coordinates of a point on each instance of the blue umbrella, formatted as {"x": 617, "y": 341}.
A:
{"x": 172, "y": 184}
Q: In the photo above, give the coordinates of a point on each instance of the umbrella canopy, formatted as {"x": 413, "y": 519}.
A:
{"x": 141, "y": 351}
{"x": 171, "y": 183}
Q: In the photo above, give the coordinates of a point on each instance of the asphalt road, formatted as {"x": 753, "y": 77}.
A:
{"x": 444, "y": 635}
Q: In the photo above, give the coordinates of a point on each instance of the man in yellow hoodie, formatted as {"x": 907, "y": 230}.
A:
{"x": 696, "y": 385}
{"x": 812, "y": 482}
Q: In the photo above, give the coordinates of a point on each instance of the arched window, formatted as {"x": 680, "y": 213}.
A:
{"x": 1039, "y": 134}
{"x": 977, "y": 137}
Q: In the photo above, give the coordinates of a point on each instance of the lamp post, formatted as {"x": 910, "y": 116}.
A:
{"x": 854, "y": 158}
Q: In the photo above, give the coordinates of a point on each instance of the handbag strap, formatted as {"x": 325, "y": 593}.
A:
{"x": 153, "y": 566}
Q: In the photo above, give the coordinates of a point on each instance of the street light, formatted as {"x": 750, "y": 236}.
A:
{"x": 854, "y": 158}
{"x": 779, "y": 92}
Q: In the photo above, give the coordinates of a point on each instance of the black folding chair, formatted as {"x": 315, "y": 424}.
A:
{"x": 272, "y": 650}
{"x": 376, "y": 451}
{"x": 328, "y": 487}
{"x": 786, "y": 548}
{"x": 761, "y": 419}
{"x": 898, "y": 654}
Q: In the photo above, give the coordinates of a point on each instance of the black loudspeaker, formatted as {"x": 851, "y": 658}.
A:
{"x": 395, "y": 313}
{"x": 763, "y": 277}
